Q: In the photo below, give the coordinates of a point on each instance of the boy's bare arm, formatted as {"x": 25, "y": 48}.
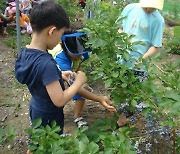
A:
{"x": 60, "y": 97}
{"x": 104, "y": 100}
{"x": 152, "y": 50}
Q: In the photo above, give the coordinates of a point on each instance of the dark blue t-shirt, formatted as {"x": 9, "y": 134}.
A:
{"x": 36, "y": 69}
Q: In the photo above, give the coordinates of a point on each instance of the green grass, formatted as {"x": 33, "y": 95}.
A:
{"x": 173, "y": 8}
{"x": 169, "y": 4}
{"x": 12, "y": 41}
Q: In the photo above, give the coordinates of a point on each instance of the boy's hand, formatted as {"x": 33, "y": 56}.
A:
{"x": 67, "y": 74}
{"x": 81, "y": 77}
{"x": 107, "y": 104}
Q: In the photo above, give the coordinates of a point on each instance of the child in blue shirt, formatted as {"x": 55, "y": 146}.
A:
{"x": 36, "y": 68}
{"x": 145, "y": 22}
{"x": 66, "y": 61}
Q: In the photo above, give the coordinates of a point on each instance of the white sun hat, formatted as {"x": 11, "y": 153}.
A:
{"x": 157, "y": 4}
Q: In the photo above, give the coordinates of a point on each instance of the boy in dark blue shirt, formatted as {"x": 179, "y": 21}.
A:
{"x": 38, "y": 70}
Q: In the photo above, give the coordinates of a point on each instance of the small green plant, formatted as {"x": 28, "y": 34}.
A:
{"x": 107, "y": 44}
{"x": 71, "y": 7}
{"x": 172, "y": 6}
{"x": 3, "y": 4}
{"x": 174, "y": 44}
{"x": 12, "y": 41}
{"x": 98, "y": 140}
{"x": 7, "y": 134}
{"x": 171, "y": 12}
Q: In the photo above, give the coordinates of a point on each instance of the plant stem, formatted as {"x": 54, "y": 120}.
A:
{"x": 174, "y": 141}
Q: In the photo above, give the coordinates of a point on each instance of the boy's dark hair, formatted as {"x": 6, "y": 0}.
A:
{"x": 46, "y": 14}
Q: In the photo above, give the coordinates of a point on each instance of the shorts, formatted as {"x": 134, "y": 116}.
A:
{"x": 47, "y": 118}
{"x": 78, "y": 97}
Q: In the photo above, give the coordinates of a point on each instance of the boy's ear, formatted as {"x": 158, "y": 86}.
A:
{"x": 51, "y": 30}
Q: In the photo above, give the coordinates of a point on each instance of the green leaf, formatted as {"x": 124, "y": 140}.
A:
{"x": 83, "y": 129}
{"x": 93, "y": 148}
{"x": 53, "y": 123}
{"x": 37, "y": 123}
{"x": 2, "y": 132}
{"x": 76, "y": 132}
{"x": 108, "y": 151}
{"x": 41, "y": 147}
{"x": 108, "y": 83}
{"x": 177, "y": 31}
{"x": 115, "y": 74}
{"x": 10, "y": 129}
{"x": 132, "y": 152}
{"x": 82, "y": 147}
{"x": 56, "y": 129}
{"x": 102, "y": 136}
{"x": 122, "y": 138}
{"x": 61, "y": 151}
{"x": 168, "y": 123}
{"x": 126, "y": 56}
{"x": 124, "y": 85}
{"x": 40, "y": 131}
{"x": 98, "y": 43}
{"x": 28, "y": 130}
{"x": 134, "y": 103}
{"x": 32, "y": 147}
{"x": 48, "y": 129}
{"x": 172, "y": 95}
{"x": 84, "y": 139}
{"x": 56, "y": 136}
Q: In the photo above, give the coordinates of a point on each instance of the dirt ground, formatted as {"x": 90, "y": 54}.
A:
{"x": 14, "y": 101}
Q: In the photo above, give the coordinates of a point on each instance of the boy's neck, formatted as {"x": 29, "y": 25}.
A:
{"x": 38, "y": 41}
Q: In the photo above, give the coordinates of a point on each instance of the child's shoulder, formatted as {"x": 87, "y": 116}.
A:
{"x": 131, "y": 7}
{"x": 34, "y": 52}
{"x": 62, "y": 55}
{"x": 158, "y": 18}
{"x": 36, "y": 57}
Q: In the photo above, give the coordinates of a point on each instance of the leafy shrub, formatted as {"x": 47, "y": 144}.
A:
{"x": 72, "y": 9}
{"x": 93, "y": 141}
{"x": 3, "y": 4}
{"x": 7, "y": 134}
{"x": 106, "y": 44}
{"x": 174, "y": 44}
{"x": 12, "y": 41}
{"x": 171, "y": 12}
{"x": 172, "y": 6}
